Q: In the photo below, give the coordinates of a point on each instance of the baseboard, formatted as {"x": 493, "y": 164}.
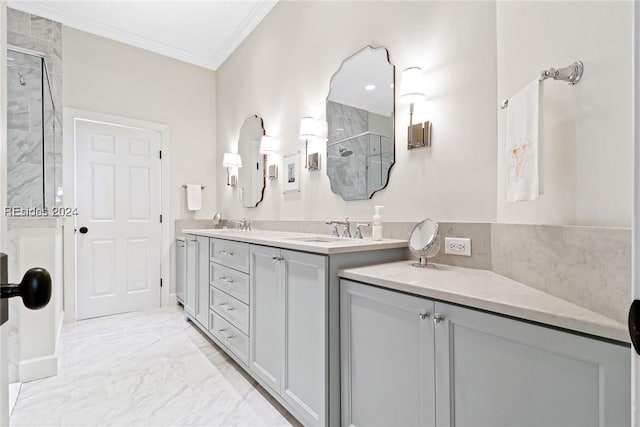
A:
{"x": 14, "y": 392}
{"x": 59, "y": 333}
{"x": 45, "y": 366}
{"x": 38, "y": 368}
{"x": 171, "y": 300}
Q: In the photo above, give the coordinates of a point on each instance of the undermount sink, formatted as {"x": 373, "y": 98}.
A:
{"x": 322, "y": 239}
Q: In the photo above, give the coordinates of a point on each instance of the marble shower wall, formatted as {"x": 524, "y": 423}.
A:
{"x": 26, "y": 149}
{"x": 360, "y": 150}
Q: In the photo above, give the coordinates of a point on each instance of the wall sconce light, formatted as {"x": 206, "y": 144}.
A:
{"x": 307, "y": 132}
{"x": 412, "y": 91}
{"x": 231, "y": 160}
{"x": 268, "y": 145}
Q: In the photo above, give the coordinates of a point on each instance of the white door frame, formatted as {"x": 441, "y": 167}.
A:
{"x": 4, "y": 362}
{"x": 70, "y": 116}
{"x": 635, "y": 229}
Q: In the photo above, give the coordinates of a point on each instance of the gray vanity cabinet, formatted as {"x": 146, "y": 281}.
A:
{"x": 191, "y": 243}
{"x": 463, "y": 367}
{"x": 387, "y": 353}
{"x": 305, "y": 300}
{"x": 495, "y": 371}
{"x": 266, "y": 316}
{"x": 181, "y": 269}
{"x": 202, "y": 282}
{"x": 196, "y": 299}
{"x": 288, "y": 328}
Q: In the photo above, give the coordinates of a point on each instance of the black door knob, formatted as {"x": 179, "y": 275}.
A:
{"x": 634, "y": 324}
{"x": 83, "y": 230}
{"x": 34, "y": 289}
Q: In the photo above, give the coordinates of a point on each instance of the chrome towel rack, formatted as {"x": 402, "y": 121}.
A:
{"x": 202, "y": 186}
{"x": 571, "y": 74}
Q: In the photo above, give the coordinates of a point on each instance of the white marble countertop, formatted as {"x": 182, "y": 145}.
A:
{"x": 489, "y": 291}
{"x": 300, "y": 241}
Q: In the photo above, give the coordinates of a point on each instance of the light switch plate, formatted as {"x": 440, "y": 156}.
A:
{"x": 457, "y": 246}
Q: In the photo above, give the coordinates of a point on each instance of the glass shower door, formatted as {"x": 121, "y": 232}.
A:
{"x": 31, "y": 153}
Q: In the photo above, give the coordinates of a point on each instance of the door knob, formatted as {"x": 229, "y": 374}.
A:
{"x": 83, "y": 230}
{"x": 34, "y": 289}
{"x": 634, "y": 325}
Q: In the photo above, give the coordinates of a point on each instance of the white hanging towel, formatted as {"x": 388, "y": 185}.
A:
{"x": 524, "y": 144}
{"x": 194, "y": 197}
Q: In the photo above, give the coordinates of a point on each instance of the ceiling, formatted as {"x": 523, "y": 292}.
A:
{"x": 201, "y": 32}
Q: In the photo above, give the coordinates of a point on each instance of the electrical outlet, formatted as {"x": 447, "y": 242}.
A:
{"x": 457, "y": 246}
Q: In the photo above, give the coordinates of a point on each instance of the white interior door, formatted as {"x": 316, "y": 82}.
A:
{"x": 118, "y": 185}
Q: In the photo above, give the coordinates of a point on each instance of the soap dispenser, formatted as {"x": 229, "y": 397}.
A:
{"x": 377, "y": 224}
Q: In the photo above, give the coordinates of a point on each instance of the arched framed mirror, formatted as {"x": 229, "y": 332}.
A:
{"x": 361, "y": 124}
{"x": 251, "y": 179}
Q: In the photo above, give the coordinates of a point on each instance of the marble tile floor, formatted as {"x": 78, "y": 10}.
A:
{"x": 149, "y": 368}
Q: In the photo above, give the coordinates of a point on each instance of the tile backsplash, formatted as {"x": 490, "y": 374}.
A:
{"x": 588, "y": 266}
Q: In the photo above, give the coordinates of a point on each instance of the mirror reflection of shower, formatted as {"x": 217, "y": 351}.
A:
{"x": 31, "y": 155}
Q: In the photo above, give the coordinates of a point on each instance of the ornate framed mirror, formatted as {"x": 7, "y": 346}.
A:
{"x": 361, "y": 124}
{"x": 251, "y": 178}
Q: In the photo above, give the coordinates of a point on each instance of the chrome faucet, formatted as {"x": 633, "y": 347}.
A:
{"x": 359, "y": 227}
{"x": 346, "y": 232}
{"x": 244, "y": 224}
{"x": 334, "y": 229}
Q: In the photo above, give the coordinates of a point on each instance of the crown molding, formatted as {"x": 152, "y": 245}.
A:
{"x": 259, "y": 11}
{"x": 248, "y": 24}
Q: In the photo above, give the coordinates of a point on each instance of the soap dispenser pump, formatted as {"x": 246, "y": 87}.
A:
{"x": 377, "y": 224}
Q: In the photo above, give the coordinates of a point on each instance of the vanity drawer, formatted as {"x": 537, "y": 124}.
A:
{"x": 230, "y": 336}
{"x": 229, "y": 280}
{"x": 230, "y": 254}
{"x": 231, "y": 309}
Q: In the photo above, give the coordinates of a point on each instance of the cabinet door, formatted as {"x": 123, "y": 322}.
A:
{"x": 494, "y": 371}
{"x": 191, "y": 270}
{"x": 304, "y": 370}
{"x": 266, "y": 319}
{"x": 387, "y": 357}
{"x": 202, "y": 282}
{"x": 181, "y": 270}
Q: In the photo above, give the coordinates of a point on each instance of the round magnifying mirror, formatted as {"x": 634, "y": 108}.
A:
{"x": 425, "y": 242}
{"x": 217, "y": 218}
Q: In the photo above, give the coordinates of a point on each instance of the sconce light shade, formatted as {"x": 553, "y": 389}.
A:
{"x": 307, "y": 128}
{"x": 268, "y": 145}
{"x": 228, "y": 160}
{"x": 412, "y": 86}
{"x": 232, "y": 160}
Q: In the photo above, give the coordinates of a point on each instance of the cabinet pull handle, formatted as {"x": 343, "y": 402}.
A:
{"x": 226, "y": 253}
{"x": 438, "y": 319}
{"x": 224, "y": 279}
{"x": 423, "y": 315}
{"x": 222, "y": 331}
{"x": 275, "y": 258}
{"x": 225, "y": 306}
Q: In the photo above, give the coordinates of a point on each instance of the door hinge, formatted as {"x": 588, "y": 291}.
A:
{"x": 161, "y": 282}
{"x": 160, "y": 218}
{"x": 160, "y": 154}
